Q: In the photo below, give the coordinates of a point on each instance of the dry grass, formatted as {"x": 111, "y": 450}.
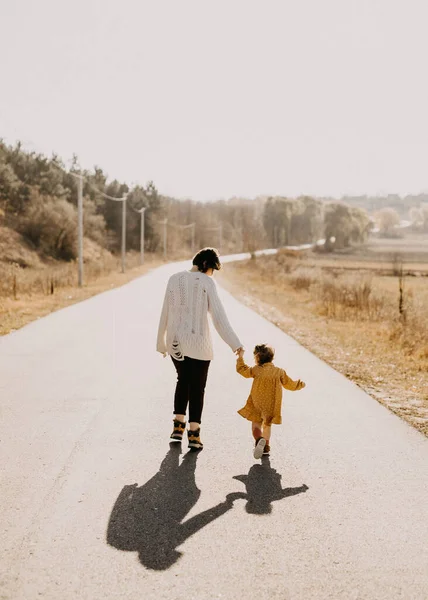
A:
{"x": 39, "y": 292}
{"x": 351, "y": 320}
{"x": 20, "y": 277}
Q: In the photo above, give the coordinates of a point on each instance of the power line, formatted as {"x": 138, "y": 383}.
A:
{"x": 88, "y": 183}
{"x": 122, "y": 199}
{"x": 181, "y": 226}
{"x": 82, "y": 178}
{"x": 138, "y": 210}
{"x": 85, "y": 179}
{"x": 219, "y": 228}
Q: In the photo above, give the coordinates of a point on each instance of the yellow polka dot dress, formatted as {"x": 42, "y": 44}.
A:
{"x": 265, "y": 399}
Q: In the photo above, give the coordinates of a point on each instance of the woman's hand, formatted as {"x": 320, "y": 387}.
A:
{"x": 240, "y": 352}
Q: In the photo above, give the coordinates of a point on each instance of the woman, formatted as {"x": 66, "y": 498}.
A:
{"x": 184, "y": 334}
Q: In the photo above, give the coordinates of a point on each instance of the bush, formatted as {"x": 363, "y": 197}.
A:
{"x": 302, "y": 278}
{"x": 94, "y": 225}
{"x": 412, "y": 333}
{"x": 349, "y": 297}
{"x": 51, "y": 225}
{"x": 286, "y": 260}
{"x": 14, "y": 249}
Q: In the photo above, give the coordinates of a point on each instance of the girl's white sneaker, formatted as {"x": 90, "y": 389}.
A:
{"x": 259, "y": 449}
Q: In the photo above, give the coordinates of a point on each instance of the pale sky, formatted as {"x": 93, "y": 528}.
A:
{"x": 215, "y": 98}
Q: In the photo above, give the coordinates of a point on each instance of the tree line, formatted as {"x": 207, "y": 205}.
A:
{"x": 38, "y": 198}
{"x": 400, "y": 204}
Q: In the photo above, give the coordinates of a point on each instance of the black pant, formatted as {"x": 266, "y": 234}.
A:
{"x": 191, "y": 379}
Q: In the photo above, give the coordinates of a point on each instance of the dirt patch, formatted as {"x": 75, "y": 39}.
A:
{"x": 15, "y": 250}
{"x": 372, "y": 353}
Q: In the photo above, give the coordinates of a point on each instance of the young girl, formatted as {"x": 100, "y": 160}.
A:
{"x": 263, "y": 406}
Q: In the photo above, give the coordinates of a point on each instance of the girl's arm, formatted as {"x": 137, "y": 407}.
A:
{"x": 219, "y": 317}
{"x": 244, "y": 369}
{"x": 289, "y": 384}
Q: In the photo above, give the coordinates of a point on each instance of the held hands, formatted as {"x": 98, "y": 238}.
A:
{"x": 240, "y": 352}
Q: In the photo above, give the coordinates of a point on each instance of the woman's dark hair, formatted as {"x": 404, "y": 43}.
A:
{"x": 207, "y": 258}
{"x": 265, "y": 353}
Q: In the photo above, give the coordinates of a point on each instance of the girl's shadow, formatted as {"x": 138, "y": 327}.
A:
{"x": 263, "y": 486}
{"x": 149, "y": 519}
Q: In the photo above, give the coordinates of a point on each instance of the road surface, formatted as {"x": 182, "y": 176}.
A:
{"x": 95, "y": 505}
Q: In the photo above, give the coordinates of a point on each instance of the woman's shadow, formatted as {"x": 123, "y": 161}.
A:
{"x": 149, "y": 519}
{"x": 263, "y": 486}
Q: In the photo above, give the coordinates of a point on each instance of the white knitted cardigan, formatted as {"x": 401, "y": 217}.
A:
{"x": 183, "y": 326}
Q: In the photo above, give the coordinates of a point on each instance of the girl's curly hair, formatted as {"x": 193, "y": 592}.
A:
{"x": 264, "y": 353}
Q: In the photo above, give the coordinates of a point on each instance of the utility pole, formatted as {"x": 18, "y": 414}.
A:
{"x": 80, "y": 230}
{"x": 165, "y": 234}
{"x": 219, "y": 229}
{"x": 193, "y": 238}
{"x": 142, "y": 236}
{"x": 123, "y": 233}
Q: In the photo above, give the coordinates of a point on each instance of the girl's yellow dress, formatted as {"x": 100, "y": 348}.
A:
{"x": 265, "y": 399}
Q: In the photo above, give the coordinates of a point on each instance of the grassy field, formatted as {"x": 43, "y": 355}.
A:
{"x": 379, "y": 254}
{"x": 28, "y": 294}
{"x": 352, "y": 314}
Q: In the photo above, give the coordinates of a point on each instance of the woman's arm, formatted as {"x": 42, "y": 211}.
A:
{"x": 220, "y": 320}
{"x": 161, "y": 341}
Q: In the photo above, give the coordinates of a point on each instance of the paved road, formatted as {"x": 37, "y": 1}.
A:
{"x": 95, "y": 505}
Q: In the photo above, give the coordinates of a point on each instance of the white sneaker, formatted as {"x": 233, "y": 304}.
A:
{"x": 259, "y": 449}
